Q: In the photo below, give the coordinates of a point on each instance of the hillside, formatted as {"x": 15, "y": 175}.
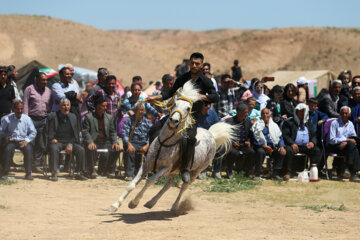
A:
{"x": 153, "y": 53}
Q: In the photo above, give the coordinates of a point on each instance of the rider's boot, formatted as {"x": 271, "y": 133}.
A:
{"x": 187, "y": 159}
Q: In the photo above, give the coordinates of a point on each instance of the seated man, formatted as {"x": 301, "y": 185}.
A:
{"x": 267, "y": 139}
{"x": 64, "y": 134}
{"x": 99, "y": 132}
{"x": 241, "y": 151}
{"x": 340, "y": 141}
{"x": 20, "y": 132}
{"x": 136, "y": 143}
{"x": 299, "y": 137}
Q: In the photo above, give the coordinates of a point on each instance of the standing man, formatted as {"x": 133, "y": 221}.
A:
{"x": 64, "y": 89}
{"x": 207, "y": 71}
{"x": 331, "y": 103}
{"x": 7, "y": 93}
{"x": 207, "y": 93}
{"x": 72, "y": 72}
{"x": 37, "y": 105}
{"x": 111, "y": 95}
{"x": 102, "y": 74}
{"x": 20, "y": 132}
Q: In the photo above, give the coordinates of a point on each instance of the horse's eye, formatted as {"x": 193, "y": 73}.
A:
{"x": 188, "y": 109}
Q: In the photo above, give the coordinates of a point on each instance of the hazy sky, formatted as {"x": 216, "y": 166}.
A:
{"x": 193, "y": 14}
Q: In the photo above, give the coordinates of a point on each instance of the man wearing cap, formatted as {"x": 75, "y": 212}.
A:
{"x": 99, "y": 132}
{"x": 63, "y": 133}
{"x": 302, "y": 83}
{"x": 241, "y": 152}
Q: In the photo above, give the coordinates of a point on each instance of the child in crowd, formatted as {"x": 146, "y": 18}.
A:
{"x": 253, "y": 113}
{"x": 316, "y": 117}
{"x": 136, "y": 143}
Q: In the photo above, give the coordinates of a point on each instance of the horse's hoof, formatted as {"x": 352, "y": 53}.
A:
{"x": 132, "y": 205}
{"x": 175, "y": 209}
{"x": 149, "y": 205}
{"x": 112, "y": 208}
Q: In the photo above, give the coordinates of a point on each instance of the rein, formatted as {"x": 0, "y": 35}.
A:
{"x": 162, "y": 144}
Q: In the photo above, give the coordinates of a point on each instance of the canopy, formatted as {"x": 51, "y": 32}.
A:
{"x": 323, "y": 77}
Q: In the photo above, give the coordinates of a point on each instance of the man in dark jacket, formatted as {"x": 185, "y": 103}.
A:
{"x": 241, "y": 151}
{"x": 99, "y": 132}
{"x": 299, "y": 137}
{"x": 332, "y": 102}
{"x": 207, "y": 92}
{"x": 63, "y": 133}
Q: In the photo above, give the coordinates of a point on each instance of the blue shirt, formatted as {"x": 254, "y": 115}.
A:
{"x": 58, "y": 93}
{"x": 19, "y": 129}
{"x": 339, "y": 131}
{"x": 141, "y": 130}
{"x": 268, "y": 140}
{"x": 316, "y": 116}
{"x": 129, "y": 104}
{"x": 302, "y": 137}
{"x": 205, "y": 121}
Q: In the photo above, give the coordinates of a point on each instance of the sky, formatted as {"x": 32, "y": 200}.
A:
{"x": 197, "y": 15}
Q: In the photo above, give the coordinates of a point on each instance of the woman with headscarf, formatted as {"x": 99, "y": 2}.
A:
{"x": 267, "y": 140}
{"x": 299, "y": 137}
{"x": 288, "y": 103}
{"x": 258, "y": 94}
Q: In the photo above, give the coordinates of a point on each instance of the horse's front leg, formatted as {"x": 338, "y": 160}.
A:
{"x": 140, "y": 175}
{"x": 184, "y": 186}
{"x": 151, "y": 180}
{"x": 153, "y": 201}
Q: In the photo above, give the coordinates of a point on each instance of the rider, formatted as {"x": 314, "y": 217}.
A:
{"x": 207, "y": 93}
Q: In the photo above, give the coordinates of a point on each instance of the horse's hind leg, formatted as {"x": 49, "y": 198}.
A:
{"x": 140, "y": 175}
{"x": 166, "y": 187}
{"x": 149, "y": 182}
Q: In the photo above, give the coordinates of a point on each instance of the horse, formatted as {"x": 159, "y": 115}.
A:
{"x": 164, "y": 154}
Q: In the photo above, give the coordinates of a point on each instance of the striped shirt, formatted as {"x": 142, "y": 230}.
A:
{"x": 112, "y": 102}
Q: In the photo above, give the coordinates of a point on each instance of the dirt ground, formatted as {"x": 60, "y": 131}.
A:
{"x": 71, "y": 209}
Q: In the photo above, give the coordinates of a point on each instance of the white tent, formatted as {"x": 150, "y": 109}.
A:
{"x": 323, "y": 77}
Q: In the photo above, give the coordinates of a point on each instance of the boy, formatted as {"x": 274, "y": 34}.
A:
{"x": 316, "y": 117}
{"x": 253, "y": 113}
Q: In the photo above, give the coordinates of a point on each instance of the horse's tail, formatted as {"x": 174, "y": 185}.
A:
{"x": 224, "y": 134}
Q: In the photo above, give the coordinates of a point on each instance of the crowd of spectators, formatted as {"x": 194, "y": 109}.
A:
{"x": 93, "y": 127}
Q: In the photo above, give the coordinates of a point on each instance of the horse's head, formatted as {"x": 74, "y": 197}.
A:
{"x": 180, "y": 115}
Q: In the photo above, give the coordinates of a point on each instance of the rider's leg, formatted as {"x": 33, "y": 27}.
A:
{"x": 188, "y": 153}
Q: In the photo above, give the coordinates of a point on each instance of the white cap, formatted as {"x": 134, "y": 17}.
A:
{"x": 301, "y": 81}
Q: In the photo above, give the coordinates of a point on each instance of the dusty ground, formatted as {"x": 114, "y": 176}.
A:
{"x": 70, "y": 209}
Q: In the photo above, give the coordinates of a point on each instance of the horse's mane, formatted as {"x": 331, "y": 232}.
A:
{"x": 189, "y": 91}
